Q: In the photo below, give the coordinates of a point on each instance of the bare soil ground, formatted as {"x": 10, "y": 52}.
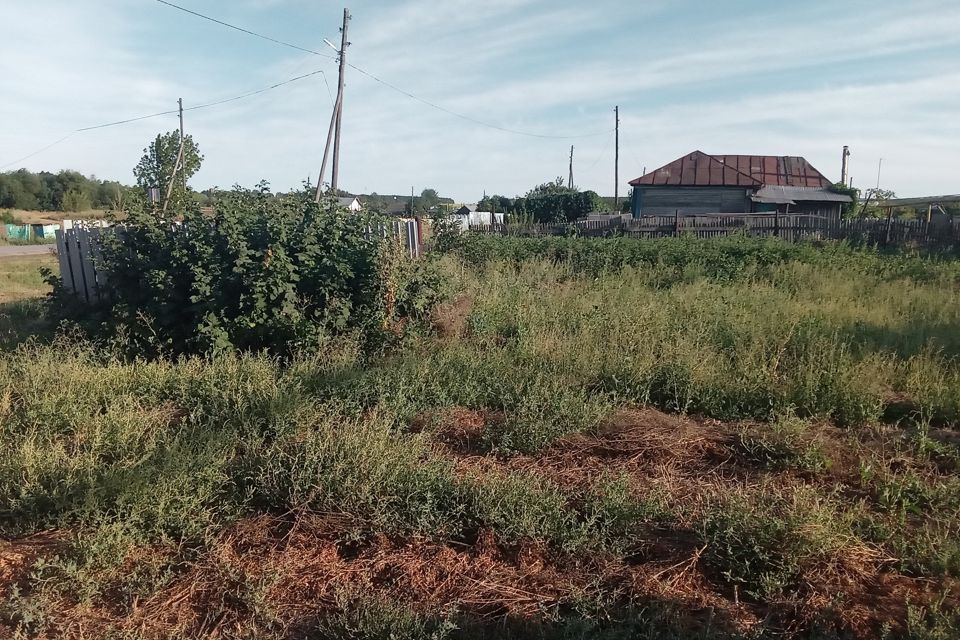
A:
{"x": 305, "y": 565}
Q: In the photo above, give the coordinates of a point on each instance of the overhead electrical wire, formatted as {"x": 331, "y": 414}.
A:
{"x": 629, "y": 147}
{"x": 474, "y": 120}
{"x": 603, "y": 152}
{"x": 38, "y": 151}
{"x": 206, "y": 105}
{"x": 254, "y": 93}
{"x": 388, "y": 84}
{"x": 247, "y": 31}
{"x": 301, "y": 77}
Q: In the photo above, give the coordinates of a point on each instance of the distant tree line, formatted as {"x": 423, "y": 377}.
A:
{"x": 62, "y": 191}
{"x": 550, "y": 202}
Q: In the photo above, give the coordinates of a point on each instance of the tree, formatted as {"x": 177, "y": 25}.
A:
{"x": 875, "y": 196}
{"x": 847, "y": 210}
{"x": 75, "y": 201}
{"x": 495, "y": 204}
{"x": 554, "y": 202}
{"x": 156, "y": 168}
{"x": 62, "y": 191}
{"x": 429, "y": 201}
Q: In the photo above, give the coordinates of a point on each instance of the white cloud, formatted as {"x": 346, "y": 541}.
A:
{"x": 532, "y": 65}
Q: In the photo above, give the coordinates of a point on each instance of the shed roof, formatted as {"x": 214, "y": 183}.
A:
{"x": 908, "y": 202}
{"x": 792, "y": 195}
{"x": 699, "y": 169}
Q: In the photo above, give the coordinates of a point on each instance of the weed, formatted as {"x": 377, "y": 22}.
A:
{"x": 767, "y": 544}
{"x": 783, "y": 444}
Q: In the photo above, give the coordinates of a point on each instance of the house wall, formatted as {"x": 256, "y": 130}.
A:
{"x": 829, "y": 209}
{"x": 690, "y": 200}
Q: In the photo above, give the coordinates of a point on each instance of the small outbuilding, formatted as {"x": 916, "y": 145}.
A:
{"x": 699, "y": 183}
{"x": 350, "y": 203}
{"x": 468, "y": 215}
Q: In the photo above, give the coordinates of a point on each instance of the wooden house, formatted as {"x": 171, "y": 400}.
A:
{"x": 699, "y": 183}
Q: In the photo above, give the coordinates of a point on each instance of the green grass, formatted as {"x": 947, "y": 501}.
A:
{"x": 21, "y": 298}
{"x": 148, "y": 464}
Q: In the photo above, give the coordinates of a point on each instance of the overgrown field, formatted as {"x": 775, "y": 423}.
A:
{"x": 587, "y": 439}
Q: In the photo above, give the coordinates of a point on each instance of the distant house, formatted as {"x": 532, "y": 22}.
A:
{"x": 351, "y": 203}
{"x": 699, "y": 183}
{"x": 468, "y": 215}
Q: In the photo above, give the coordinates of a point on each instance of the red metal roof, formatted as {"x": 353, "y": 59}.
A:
{"x": 698, "y": 169}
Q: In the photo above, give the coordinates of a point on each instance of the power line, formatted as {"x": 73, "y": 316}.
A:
{"x": 165, "y": 113}
{"x": 629, "y": 147}
{"x": 474, "y": 120}
{"x": 247, "y": 31}
{"x": 254, "y": 93}
{"x": 39, "y": 151}
{"x": 127, "y": 121}
{"x": 606, "y": 146}
{"x": 392, "y": 86}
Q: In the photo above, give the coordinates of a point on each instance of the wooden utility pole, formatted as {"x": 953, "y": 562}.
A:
{"x": 335, "y": 118}
{"x": 343, "y": 62}
{"x": 570, "y": 179}
{"x": 176, "y": 165}
{"x": 183, "y": 150}
{"x": 845, "y": 165}
{"x": 326, "y": 149}
{"x": 616, "y": 163}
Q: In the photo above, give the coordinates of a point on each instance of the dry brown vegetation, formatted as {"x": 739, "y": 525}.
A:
{"x": 554, "y": 456}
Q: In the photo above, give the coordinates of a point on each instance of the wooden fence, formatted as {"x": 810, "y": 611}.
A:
{"x": 791, "y": 227}
{"x": 78, "y": 250}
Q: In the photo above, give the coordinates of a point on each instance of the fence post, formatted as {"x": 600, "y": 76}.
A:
{"x": 776, "y": 223}
{"x": 889, "y": 223}
{"x": 676, "y": 223}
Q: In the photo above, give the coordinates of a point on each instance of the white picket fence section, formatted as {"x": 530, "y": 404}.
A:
{"x": 79, "y": 242}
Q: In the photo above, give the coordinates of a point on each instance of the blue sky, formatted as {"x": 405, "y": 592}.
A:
{"x": 723, "y": 77}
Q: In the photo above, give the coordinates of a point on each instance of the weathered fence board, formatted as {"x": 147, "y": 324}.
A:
{"x": 63, "y": 255}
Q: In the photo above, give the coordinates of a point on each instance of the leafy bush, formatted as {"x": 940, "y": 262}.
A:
{"x": 264, "y": 272}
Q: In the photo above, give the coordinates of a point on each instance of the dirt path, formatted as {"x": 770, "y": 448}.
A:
{"x": 7, "y": 250}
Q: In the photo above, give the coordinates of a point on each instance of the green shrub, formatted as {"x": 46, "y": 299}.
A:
{"x": 265, "y": 272}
